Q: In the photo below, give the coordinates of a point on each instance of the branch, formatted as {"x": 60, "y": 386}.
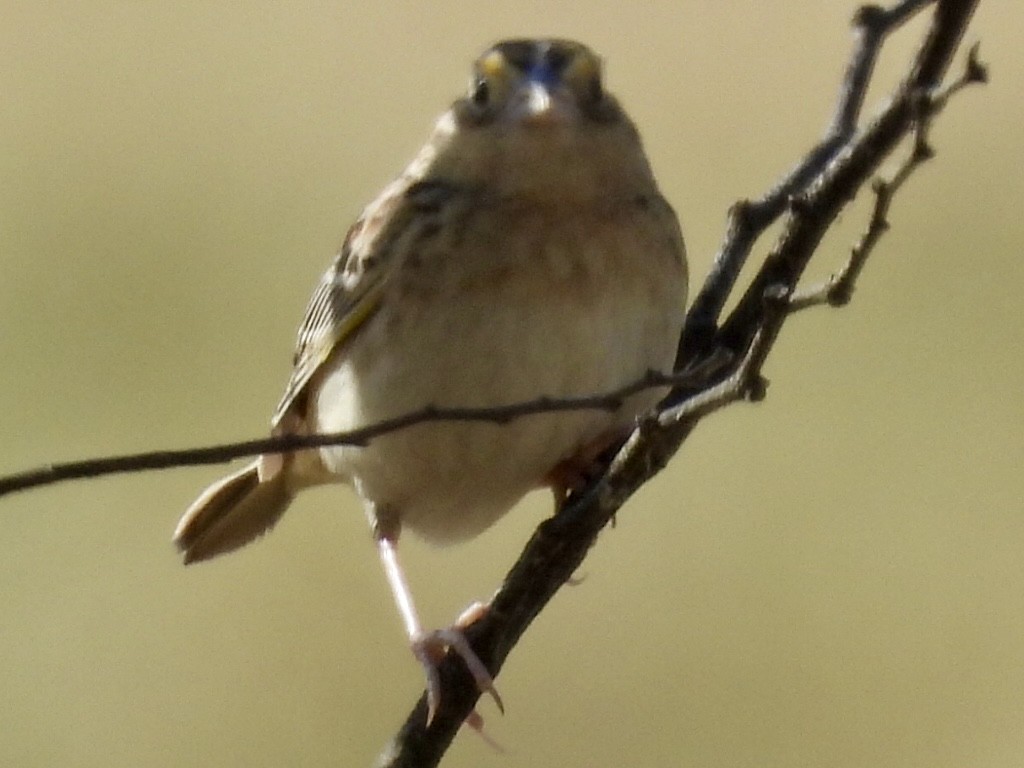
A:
{"x": 837, "y": 290}
{"x": 749, "y": 219}
{"x": 718, "y": 362}
{"x": 814, "y": 193}
{"x": 693, "y": 376}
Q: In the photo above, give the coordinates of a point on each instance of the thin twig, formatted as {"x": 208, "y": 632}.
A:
{"x": 837, "y": 290}
{"x": 748, "y": 219}
{"x": 693, "y": 376}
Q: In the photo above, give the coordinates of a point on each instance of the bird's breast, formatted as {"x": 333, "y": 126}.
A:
{"x": 503, "y": 304}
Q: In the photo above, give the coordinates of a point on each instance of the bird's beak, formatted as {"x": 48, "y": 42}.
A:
{"x": 538, "y": 101}
{"x": 540, "y": 105}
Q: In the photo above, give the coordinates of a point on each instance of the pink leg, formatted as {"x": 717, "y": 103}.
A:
{"x": 430, "y": 647}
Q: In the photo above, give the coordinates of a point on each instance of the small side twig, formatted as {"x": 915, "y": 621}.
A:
{"x": 837, "y": 290}
{"x": 748, "y": 219}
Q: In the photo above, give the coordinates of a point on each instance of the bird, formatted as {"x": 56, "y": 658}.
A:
{"x": 526, "y": 252}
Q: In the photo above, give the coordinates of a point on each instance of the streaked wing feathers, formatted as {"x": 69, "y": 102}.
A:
{"x": 332, "y": 316}
{"x": 351, "y": 290}
{"x": 347, "y": 295}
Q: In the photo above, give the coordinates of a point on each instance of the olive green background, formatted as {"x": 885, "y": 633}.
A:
{"x": 832, "y": 578}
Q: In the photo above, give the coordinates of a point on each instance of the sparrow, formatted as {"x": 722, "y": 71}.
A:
{"x": 525, "y": 252}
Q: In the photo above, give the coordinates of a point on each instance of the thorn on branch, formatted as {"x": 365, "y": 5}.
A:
{"x": 798, "y": 203}
{"x": 839, "y": 292}
{"x": 757, "y": 389}
{"x": 870, "y": 17}
{"x": 923, "y": 104}
{"x": 976, "y": 70}
{"x": 776, "y": 295}
{"x": 740, "y": 214}
{"x": 922, "y": 149}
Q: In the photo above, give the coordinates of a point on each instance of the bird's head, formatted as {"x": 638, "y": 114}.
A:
{"x": 538, "y": 120}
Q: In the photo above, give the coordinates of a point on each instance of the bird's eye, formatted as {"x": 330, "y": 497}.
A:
{"x": 481, "y": 92}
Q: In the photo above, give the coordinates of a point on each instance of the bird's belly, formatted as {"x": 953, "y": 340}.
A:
{"x": 508, "y": 337}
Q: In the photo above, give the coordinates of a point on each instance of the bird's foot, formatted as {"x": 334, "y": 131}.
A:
{"x": 583, "y": 466}
{"x": 430, "y": 649}
{"x": 476, "y": 722}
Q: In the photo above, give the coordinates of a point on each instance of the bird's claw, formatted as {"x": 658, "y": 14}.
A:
{"x": 430, "y": 648}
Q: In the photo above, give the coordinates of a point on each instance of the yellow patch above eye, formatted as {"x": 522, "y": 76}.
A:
{"x": 583, "y": 68}
{"x": 493, "y": 65}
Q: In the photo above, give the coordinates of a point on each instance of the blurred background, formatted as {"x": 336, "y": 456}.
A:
{"x": 830, "y": 578}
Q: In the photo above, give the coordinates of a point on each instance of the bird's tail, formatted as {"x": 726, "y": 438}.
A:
{"x": 232, "y": 512}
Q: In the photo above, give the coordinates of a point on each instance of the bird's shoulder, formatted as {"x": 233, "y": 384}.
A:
{"x": 349, "y": 291}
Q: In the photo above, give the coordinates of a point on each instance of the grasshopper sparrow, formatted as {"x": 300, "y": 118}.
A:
{"x": 525, "y": 252}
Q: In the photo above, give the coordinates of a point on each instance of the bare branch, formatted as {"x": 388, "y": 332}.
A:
{"x": 693, "y": 376}
{"x": 718, "y": 363}
{"x": 749, "y": 219}
{"x": 838, "y": 289}
{"x": 560, "y": 543}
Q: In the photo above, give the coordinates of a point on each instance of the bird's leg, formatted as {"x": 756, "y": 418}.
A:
{"x": 578, "y": 469}
{"x": 430, "y": 647}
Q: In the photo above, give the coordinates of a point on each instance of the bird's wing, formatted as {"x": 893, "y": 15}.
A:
{"x": 350, "y": 290}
